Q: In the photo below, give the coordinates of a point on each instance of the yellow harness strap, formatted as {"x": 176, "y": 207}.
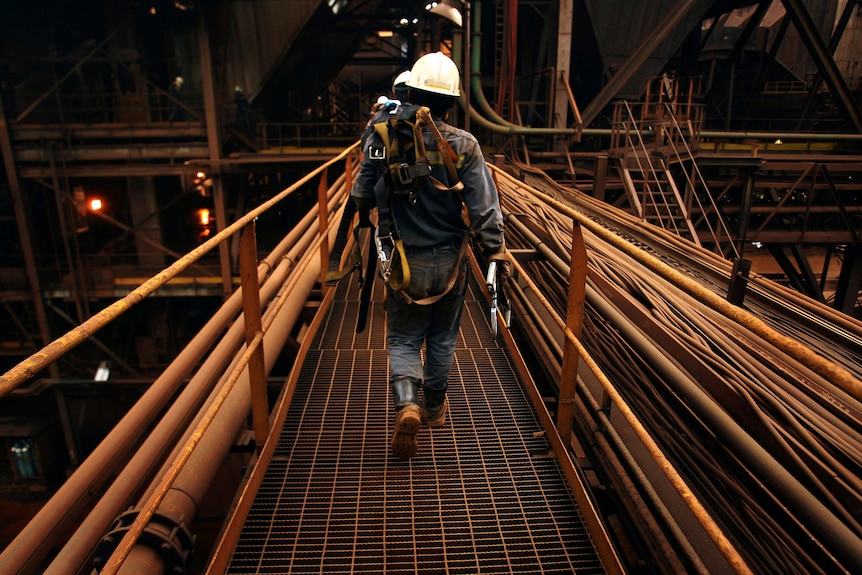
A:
{"x": 399, "y": 274}
{"x": 449, "y": 285}
{"x": 423, "y": 118}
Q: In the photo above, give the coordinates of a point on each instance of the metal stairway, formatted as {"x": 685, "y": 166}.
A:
{"x": 650, "y": 185}
{"x": 643, "y": 151}
{"x": 654, "y": 144}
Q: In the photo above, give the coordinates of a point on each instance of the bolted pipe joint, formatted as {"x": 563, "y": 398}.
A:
{"x": 168, "y": 538}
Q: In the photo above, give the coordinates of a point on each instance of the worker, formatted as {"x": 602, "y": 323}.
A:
{"x": 380, "y": 111}
{"x": 433, "y": 233}
{"x": 385, "y": 107}
{"x": 399, "y": 86}
{"x": 177, "y": 113}
{"x": 243, "y": 122}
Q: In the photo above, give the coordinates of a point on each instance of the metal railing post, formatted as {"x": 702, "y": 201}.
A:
{"x": 253, "y": 329}
{"x": 348, "y": 173}
{"x": 574, "y": 323}
{"x": 323, "y": 223}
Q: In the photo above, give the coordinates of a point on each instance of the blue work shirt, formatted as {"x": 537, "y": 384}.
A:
{"x": 435, "y": 217}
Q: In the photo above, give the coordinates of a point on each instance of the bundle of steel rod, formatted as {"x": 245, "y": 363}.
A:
{"x": 757, "y": 406}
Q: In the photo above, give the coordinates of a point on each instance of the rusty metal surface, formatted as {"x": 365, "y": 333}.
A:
{"x": 483, "y": 495}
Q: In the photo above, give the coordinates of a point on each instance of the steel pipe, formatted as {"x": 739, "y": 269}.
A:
{"x": 49, "y": 525}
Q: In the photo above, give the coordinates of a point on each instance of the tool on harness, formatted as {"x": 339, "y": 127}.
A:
{"x": 365, "y": 293}
{"x": 385, "y": 246}
{"x": 355, "y": 260}
{"x": 498, "y": 298}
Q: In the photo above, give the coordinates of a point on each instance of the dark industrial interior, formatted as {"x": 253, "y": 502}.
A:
{"x": 734, "y": 126}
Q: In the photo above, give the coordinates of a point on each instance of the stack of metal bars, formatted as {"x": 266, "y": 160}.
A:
{"x": 483, "y": 494}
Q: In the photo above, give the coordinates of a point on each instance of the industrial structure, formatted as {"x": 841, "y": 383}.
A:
{"x": 672, "y": 381}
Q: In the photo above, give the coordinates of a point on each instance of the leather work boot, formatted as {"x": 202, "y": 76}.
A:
{"x": 434, "y": 407}
{"x": 407, "y": 419}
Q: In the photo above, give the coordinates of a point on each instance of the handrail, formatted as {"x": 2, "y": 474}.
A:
{"x": 832, "y": 372}
{"x": 131, "y": 537}
{"x": 62, "y": 510}
{"x": 716, "y": 534}
{"x": 253, "y": 348}
{"x": 60, "y": 346}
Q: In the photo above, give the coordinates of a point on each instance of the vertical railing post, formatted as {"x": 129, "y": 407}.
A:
{"x": 348, "y": 173}
{"x": 253, "y": 326}
{"x": 323, "y": 221}
{"x": 574, "y": 323}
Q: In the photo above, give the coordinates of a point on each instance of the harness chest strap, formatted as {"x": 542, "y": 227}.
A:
{"x": 422, "y": 166}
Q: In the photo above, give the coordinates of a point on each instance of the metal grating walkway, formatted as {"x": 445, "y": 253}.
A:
{"x": 483, "y": 495}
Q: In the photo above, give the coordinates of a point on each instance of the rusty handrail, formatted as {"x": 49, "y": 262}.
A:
{"x": 71, "y": 339}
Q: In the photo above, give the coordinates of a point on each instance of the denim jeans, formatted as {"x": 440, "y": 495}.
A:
{"x": 436, "y": 325}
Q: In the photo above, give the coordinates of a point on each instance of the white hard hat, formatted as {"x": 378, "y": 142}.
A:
{"x": 382, "y": 99}
{"x": 436, "y": 73}
{"x": 178, "y": 79}
{"x": 401, "y": 79}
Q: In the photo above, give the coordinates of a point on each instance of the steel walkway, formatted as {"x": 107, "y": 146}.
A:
{"x": 483, "y": 495}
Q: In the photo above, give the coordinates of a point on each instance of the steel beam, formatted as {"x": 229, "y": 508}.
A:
{"x": 823, "y": 58}
{"x": 747, "y": 33}
{"x": 23, "y": 226}
{"x": 837, "y": 34}
{"x": 214, "y": 146}
{"x": 636, "y": 60}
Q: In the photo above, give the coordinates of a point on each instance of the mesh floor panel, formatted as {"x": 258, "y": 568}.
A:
{"x": 482, "y": 495}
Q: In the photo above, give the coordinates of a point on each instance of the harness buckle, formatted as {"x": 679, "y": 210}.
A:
{"x": 375, "y": 153}
{"x": 404, "y": 177}
{"x": 408, "y": 173}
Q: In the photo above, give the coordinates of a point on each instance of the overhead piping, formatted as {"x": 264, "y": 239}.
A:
{"x": 499, "y": 125}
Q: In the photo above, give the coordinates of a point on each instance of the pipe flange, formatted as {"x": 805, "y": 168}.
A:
{"x": 168, "y": 537}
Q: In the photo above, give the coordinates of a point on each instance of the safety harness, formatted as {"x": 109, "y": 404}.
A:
{"x": 406, "y": 165}
{"x": 401, "y": 177}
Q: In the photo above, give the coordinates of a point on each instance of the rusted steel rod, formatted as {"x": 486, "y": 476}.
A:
{"x": 191, "y": 484}
{"x": 574, "y": 323}
{"x": 140, "y": 467}
{"x": 716, "y": 534}
{"x": 772, "y": 392}
{"x": 828, "y": 369}
{"x": 130, "y": 539}
{"x": 251, "y": 315}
